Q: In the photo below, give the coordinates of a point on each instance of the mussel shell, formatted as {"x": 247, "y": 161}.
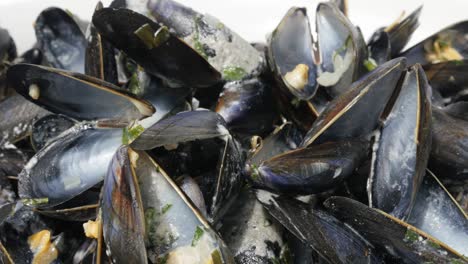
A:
{"x": 225, "y": 50}
{"x": 31, "y": 56}
{"x": 400, "y": 34}
{"x": 402, "y": 242}
{"x": 123, "y": 218}
{"x": 448, "y": 78}
{"x": 182, "y": 127}
{"x": 75, "y": 95}
{"x": 437, "y": 213}
{"x": 161, "y": 204}
{"x": 356, "y": 113}
{"x": 70, "y": 165}
{"x": 286, "y": 52}
{"x": 332, "y": 239}
{"x": 402, "y": 150}
{"x": 449, "y": 154}
{"x": 99, "y": 56}
{"x": 252, "y": 235}
{"x": 168, "y": 101}
{"x": 61, "y": 40}
{"x": 285, "y": 138}
{"x": 458, "y": 110}
{"x": 308, "y": 170}
{"x": 338, "y": 37}
{"x": 7, "y": 46}
{"x": 454, "y": 35}
{"x": 228, "y": 178}
{"x": 172, "y": 60}
{"x": 379, "y": 47}
{"x": 300, "y": 112}
{"x": 18, "y": 115}
{"x": 47, "y": 128}
{"x": 247, "y": 107}
{"x": 191, "y": 189}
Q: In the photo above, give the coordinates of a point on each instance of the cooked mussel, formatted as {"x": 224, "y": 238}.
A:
{"x": 445, "y": 45}
{"x": 153, "y": 47}
{"x": 308, "y": 170}
{"x": 356, "y": 113}
{"x": 141, "y": 216}
{"x": 335, "y": 241}
{"x": 91, "y": 98}
{"x": 226, "y": 51}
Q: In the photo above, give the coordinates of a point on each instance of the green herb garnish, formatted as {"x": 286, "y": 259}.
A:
{"x": 232, "y": 73}
{"x": 198, "y": 234}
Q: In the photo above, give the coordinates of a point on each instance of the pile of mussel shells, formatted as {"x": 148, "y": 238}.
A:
{"x": 155, "y": 134}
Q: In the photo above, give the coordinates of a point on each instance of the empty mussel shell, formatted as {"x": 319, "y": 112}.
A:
{"x": 437, "y": 213}
{"x": 69, "y": 165}
{"x": 399, "y": 162}
{"x": 61, "y": 40}
{"x": 47, "y": 128}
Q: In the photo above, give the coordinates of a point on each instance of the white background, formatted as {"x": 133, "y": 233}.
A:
{"x": 252, "y": 19}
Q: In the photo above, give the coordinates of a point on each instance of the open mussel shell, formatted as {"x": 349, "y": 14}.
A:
{"x": 356, "y": 113}
{"x": 154, "y": 48}
{"x": 249, "y": 231}
{"x": 182, "y": 127}
{"x": 75, "y": 95}
{"x": 437, "y": 213}
{"x": 291, "y": 54}
{"x": 18, "y": 115}
{"x": 61, "y": 40}
{"x": 446, "y": 45}
{"x": 402, "y": 242}
{"x": 48, "y": 128}
{"x": 142, "y": 203}
{"x": 247, "y": 106}
{"x": 400, "y": 33}
{"x": 308, "y": 170}
{"x": 399, "y": 162}
{"x": 333, "y": 240}
{"x": 449, "y": 154}
{"x": 100, "y": 56}
{"x": 73, "y": 163}
{"x": 342, "y": 50}
{"x": 225, "y": 50}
